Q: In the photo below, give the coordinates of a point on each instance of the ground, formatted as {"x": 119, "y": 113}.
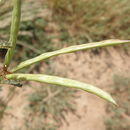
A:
{"x": 93, "y": 67}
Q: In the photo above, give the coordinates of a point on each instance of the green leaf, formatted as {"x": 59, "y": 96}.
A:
{"x": 63, "y": 82}
{"x": 69, "y": 50}
{"x": 4, "y": 45}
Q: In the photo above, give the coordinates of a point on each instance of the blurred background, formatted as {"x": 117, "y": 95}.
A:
{"x": 49, "y": 25}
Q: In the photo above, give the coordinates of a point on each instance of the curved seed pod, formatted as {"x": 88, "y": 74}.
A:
{"x": 63, "y": 82}
{"x": 70, "y": 49}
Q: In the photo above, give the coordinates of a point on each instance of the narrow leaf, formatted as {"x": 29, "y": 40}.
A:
{"x": 69, "y": 50}
{"x": 4, "y": 45}
{"x": 63, "y": 82}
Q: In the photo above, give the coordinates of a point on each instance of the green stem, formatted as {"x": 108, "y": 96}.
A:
{"x": 13, "y": 31}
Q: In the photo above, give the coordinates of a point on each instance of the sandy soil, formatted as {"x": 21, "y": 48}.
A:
{"x": 97, "y": 69}
{"x": 94, "y": 68}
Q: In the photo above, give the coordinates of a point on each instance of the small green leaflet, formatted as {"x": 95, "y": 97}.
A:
{"x": 16, "y": 83}
{"x": 4, "y": 45}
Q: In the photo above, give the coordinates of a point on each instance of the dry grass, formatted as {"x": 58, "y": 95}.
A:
{"x": 95, "y": 19}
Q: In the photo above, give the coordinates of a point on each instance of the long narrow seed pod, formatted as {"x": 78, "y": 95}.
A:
{"x": 62, "y": 82}
{"x": 69, "y": 50}
{"x": 13, "y": 31}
